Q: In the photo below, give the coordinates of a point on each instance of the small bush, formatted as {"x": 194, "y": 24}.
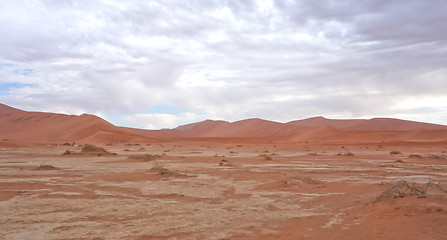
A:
{"x": 415, "y": 156}
{"x": 91, "y": 149}
{"x": 395, "y": 152}
{"x": 403, "y": 188}
{"x": 349, "y": 154}
{"x": 68, "y": 152}
{"x": 266, "y": 157}
{"x": 436, "y": 156}
{"x": 46, "y": 167}
{"x": 162, "y": 170}
{"x": 145, "y": 157}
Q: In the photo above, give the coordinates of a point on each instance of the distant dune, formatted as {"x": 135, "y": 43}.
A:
{"x": 37, "y": 127}
{"x": 375, "y": 124}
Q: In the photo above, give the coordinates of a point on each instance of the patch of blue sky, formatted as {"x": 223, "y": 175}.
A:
{"x": 24, "y": 72}
{"x": 4, "y": 87}
{"x": 164, "y": 109}
{"x": 6, "y": 65}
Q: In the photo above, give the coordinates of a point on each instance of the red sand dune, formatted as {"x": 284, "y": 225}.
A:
{"x": 253, "y": 128}
{"x": 324, "y": 122}
{"x": 37, "y": 127}
{"x": 374, "y": 124}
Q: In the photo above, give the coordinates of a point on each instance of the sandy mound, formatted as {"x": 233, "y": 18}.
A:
{"x": 37, "y": 127}
{"x": 375, "y": 124}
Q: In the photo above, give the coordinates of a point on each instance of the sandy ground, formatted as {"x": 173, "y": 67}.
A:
{"x": 215, "y": 190}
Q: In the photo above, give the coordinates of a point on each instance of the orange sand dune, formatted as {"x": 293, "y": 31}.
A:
{"x": 375, "y": 124}
{"x": 324, "y": 122}
{"x": 38, "y": 127}
{"x": 253, "y": 128}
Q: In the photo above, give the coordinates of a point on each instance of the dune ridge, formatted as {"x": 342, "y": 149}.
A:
{"x": 38, "y": 127}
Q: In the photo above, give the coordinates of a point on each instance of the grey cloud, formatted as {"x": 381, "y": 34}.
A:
{"x": 324, "y": 57}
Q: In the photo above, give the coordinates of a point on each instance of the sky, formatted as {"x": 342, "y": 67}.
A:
{"x": 160, "y": 64}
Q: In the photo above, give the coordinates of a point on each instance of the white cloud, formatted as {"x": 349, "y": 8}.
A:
{"x": 279, "y": 60}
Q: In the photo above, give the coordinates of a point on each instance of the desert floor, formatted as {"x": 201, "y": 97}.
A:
{"x": 212, "y": 190}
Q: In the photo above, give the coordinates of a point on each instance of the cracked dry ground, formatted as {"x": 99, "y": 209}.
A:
{"x": 204, "y": 195}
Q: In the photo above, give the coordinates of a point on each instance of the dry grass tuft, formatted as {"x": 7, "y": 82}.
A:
{"x": 266, "y": 157}
{"x": 46, "y": 167}
{"x": 94, "y": 150}
{"x": 403, "y": 188}
{"x": 162, "y": 170}
{"x": 415, "y": 156}
{"x": 146, "y": 157}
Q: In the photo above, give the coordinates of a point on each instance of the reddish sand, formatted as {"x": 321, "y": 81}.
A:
{"x": 251, "y": 179}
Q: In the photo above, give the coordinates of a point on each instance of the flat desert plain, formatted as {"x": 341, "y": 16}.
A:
{"x": 225, "y": 190}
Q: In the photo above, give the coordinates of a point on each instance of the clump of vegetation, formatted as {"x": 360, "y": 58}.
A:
{"x": 395, "y": 152}
{"x": 46, "y": 167}
{"x": 224, "y": 162}
{"x": 299, "y": 180}
{"x": 92, "y": 149}
{"x": 312, "y": 154}
{"x": 266, "y": 157}
{"x": 6, "y": 140}
{"x": 68, "y": 152}
{"x": 133, "y": 144}
{"x": 400, "y": 161}
{"x": 349, "y": 154}
{"x": 162, "y": 170}
{"x": 403, "y": 188}
{"x": 415, "y": 156}
{"x": 146, "y": 157}
{"x": 434, "y": 156}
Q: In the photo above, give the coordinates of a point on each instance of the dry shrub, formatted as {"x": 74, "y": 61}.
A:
{"x": 403, "y": 188}
{"x": 162, "y": 170}
{"x": 415, "y": 156}
{"x": 94, "y": 150}
{"x": 266, "y": 157}
{"x": 349, "y": 154}
{"x": 145, "y": 157}
{"x": 300, "y": 180}
{"x": 395, "y": 152}
{"x": 434, "y": 156}
{"x": 68, "y": 152}
{"x": 46, "y": 167}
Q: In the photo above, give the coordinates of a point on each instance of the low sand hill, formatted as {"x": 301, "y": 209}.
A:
{"x": 319, "y": 122}
{"x": 38, "y": 127}
{"x": 374, "y": 124}
{"x": 253, "y": 128}
{"x": 193, "y": 130}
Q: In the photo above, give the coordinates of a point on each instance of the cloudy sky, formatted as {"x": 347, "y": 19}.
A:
{"x": 157, "y": 64}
